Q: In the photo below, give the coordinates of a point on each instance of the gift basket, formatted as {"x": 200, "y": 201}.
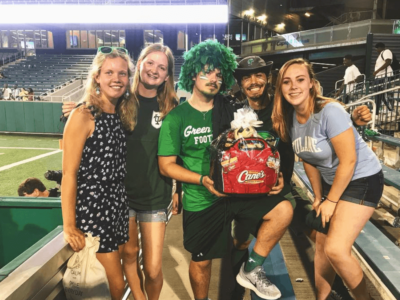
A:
{"x": 242, "y": 162}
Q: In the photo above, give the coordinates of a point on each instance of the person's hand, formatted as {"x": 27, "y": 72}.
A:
{"x": 316, "y": 203}
{"x": 326, "y": 209}
{"x": 361, "y": 115}
{"x": 75, "y": 238}
{"x": 176, "y": 204}
{"x": 279, "y": 185}
{"x": 209, "y": 184}
{"x": 67, "y": 107}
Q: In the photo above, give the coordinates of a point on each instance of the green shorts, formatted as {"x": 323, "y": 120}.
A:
{"x": 242, "y": 235}
{"x": 206, "y": 233}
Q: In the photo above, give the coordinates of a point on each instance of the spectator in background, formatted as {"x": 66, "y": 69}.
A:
{"x": 6, "y": 91}
{"x": 2, "y": 75}
{"x": 30, "y": 94}
{"x": 351, "y": 76}
{"x": 23, "y": 94}
{"x": 382, "y": 71}
{"x": 33, "y": 187}
{"x": 383, "y": 62}
{"x": 15, "y": 92}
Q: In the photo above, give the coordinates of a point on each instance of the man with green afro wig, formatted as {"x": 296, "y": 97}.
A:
{"x": 187, "y": 132}
{"x": 211, "y": 54}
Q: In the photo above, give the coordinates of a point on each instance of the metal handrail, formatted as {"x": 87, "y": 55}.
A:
{"x": 338, "y": 19}
{"x": 378, "y": 93}
{"x": 15, "y": 56}
{"x": 70, "y": 96}
{"x": 57, "y": 87}
{"x": 336, "y": 83}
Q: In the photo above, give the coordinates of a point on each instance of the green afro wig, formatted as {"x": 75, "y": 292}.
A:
{"x": 210, "y": 53}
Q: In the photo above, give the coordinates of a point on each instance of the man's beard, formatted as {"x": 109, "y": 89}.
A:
{"x": 209, "y": 96}
{"x": 260, "y": 97}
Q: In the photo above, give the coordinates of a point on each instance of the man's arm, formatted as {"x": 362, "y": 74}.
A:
{"x": 359, "y": 78}
{"x": 169, "y": 168}
{"x": 67, "y": 107}
{"x": 361, "y": 115}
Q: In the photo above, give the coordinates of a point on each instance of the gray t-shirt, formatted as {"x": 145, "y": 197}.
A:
{"x": 311, "y": 142}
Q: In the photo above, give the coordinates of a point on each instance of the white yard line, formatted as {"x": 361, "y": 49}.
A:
{"x": 27, "y": 148}
{"x": 28, "y": 160}
{"x": 1, "y": 153}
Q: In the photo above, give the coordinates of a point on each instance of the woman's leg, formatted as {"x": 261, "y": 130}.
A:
{"x": 152, "y": 246}
{"x": 130, "y": 256}
{"x": 346, "y": 224}
{"x": 324, "y": 273}
{"x": 112, "y": 264}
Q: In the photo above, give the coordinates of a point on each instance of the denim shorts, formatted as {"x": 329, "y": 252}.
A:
{"x": 158, "y": 215}
{"x": 364, "y": 191}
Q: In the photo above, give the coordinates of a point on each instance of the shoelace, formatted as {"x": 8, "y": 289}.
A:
{"x": 263, "y": 278}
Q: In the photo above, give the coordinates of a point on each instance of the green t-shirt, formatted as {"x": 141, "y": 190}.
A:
{"x": 187, "y": 133}
{"x": 147, "y": 189}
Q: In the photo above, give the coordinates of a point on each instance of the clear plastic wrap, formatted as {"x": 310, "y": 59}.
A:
{"x": 242, "y": 162}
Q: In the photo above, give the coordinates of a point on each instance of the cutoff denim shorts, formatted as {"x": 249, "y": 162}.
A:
{"x": 158, "y": 215}
{"x": 364, "y": 191}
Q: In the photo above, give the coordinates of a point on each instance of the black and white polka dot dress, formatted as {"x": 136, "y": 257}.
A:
{"x": 101, "y": 207}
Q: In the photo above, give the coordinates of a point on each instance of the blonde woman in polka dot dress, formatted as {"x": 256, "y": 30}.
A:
{"x": 93, "y": 191}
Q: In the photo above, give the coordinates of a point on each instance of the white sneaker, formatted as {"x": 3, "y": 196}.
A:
{"x": 258, "y": 282}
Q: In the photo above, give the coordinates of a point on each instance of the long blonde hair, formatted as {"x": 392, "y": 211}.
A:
{"x": 127, "y": 106}
{"x": 166, "y": 96}
{"x": 282, "y": 114}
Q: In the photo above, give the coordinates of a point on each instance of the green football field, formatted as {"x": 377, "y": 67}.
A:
{"x": 23, "y": 156}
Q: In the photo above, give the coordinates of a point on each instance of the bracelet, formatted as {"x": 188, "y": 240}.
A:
{"x": 201, "y": 179}
{"x": 326, "y": 198}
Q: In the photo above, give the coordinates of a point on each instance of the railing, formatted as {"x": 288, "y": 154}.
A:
{"x": 352, "y": 17}
{"x": 10, "y": 58}
{"x": 75, "y": 96}
{"x": 355, "y": 32}
{"x": 46, "y": 97}
{"x": 345, "y": 89}
{"x": 386, "y": 120}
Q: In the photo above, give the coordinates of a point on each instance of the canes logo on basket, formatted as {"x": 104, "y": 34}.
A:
{"x": 251, "y": 177}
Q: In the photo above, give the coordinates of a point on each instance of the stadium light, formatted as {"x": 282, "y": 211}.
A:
{"x": 114, "y": 14}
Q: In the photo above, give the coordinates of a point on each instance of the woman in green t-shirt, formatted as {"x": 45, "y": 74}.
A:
{"x": 149, "y": 193}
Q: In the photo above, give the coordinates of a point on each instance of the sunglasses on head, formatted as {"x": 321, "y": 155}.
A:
{"x": 108, "y": 50}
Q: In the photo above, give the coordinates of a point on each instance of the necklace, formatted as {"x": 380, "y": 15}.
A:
{"x": 205, "y": 113}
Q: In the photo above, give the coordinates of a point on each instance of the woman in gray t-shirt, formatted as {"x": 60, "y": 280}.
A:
{"x": 345, "y": 174}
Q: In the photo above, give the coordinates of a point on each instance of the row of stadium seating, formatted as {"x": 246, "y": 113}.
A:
{"x": 7, "y": 57}
{"x": 46, "y": 72}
